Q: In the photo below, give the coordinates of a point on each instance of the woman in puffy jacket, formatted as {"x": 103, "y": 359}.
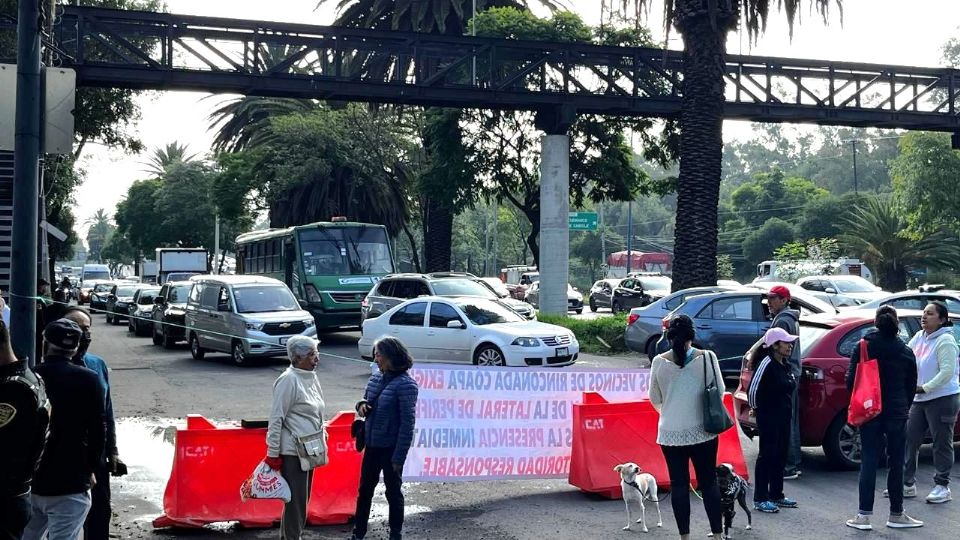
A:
{"x": 898, "y": 382}
{"x": 937, "y": 400}
{"x": 389, "y": 407}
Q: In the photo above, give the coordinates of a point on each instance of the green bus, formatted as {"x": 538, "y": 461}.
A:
{"x": 329, "y": 266}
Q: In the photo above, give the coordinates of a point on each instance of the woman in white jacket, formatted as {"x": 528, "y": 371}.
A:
{"x": 297, "y": 410}
{"x": 937, "y": 401}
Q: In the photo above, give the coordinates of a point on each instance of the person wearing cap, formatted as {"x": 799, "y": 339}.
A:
{"x": 769, "y": 396}
{"x": 297, "y": 410}
{"x": 61, "y": 485}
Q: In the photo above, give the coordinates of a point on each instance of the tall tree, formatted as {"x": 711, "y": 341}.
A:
{"x": 925, "y": 181}
{"x": 161, "y": 159}
{"x": 704, "y": 25}
{"x": 97, "y": 234}
{"x": 877, "y": 232}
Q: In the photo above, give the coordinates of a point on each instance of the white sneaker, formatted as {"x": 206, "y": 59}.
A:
{"x": 903, "y": 521}
{"x": 909, "y": 492}
{"x": 861, "y": 523}
{"x": 939, "y": 494}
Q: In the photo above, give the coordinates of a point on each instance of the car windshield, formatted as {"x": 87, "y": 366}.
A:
{"x": 497, "y": 286}
{"x": 126, "y": 291}
{"x": 339, "y": 251}
{"x": 179, "y": 294}
{"x": 147, "y": 295}
{"x": 854, "y": 285}
{"x": 655, "y": 283}
{"x": 264, "y": 299}
{"x": 102, "y": 287}
{"x": 181, "y": 276}
{"x": 461, "y": 287}
{"x": 810, "y": 334}
{"x": 93, "y": 274}
{"x": 484, "y": 313}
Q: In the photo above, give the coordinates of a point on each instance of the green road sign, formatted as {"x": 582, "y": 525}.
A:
{"x": 583, "y": 221}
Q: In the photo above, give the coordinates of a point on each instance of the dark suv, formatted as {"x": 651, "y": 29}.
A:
{"x": 169, "y": 310}
{"x": 396, "y": 288}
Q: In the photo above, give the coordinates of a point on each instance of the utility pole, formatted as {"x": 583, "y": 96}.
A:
{"x": 216, "y": 243}
{"x": 629, "y": 235}
{"x": 603, "y": 239}
{"x": 26, "y": 185}
{"x": 856, "y": 187}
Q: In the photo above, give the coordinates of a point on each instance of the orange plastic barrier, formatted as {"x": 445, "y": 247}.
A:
{"x": 606, "y": 434}
{"x": 210, "y": 463}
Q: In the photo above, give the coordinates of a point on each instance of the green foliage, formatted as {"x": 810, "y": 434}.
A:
{"x": 760, "y": 245}
{"x": 590, "y": 332}
{"x": 878, "y": 233}
{"x": 925, "y": 181}
{"x": 118, "y": 252}
{"x": 97, "y": 234}
{"x": 773, "y": 194}
{"x": 822, "y": 218}
{"x": 725, "y": 269}
{"x": 814, "y": 249}
{"x": 587, "y": 246}
{"x": 137, "y": 216}
{"x": 162, "y": 159}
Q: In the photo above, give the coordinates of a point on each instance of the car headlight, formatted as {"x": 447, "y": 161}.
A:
{"x": 309, "y": 322}
{"x": 526, "y": 342}
{"x": 254, "y": 326}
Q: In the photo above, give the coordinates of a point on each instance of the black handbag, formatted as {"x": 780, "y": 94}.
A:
{"x": 716, "y": 419}
{"x": 358, "y": 430}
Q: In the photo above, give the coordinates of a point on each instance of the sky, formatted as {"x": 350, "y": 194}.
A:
{"x": 876, "y": 31}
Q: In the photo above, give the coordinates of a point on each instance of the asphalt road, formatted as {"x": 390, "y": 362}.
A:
{"x": 154, "y": 389}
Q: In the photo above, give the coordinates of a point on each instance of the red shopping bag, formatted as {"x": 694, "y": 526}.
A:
{"x": 865, "y": 404}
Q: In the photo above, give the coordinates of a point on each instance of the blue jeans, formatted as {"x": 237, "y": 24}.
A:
{"x": 872, "y": 435}
{"x": 14, "y": 515}
{"x": 59, "y": 517}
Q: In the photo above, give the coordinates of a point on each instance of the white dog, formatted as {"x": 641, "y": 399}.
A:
{"x": 637, "y": 486}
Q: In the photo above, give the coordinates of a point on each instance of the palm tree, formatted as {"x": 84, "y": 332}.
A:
{"x": 877, "y": 231}
{"x": 704, "y": 25}
{"x": 162, "y": 158}
{"x": 97, "y": 234}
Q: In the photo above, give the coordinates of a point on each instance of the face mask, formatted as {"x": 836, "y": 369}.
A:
{"x": 84, "y": 345}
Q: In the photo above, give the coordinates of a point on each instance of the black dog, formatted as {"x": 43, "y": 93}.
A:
{"x": 732, "y": 488}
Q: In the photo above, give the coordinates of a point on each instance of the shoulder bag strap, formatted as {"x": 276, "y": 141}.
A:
{"x": 708, "y": 358}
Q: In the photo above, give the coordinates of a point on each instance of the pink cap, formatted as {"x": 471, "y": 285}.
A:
{"x": 774, "y": 335}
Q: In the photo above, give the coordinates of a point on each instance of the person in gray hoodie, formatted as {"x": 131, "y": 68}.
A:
{"x": 937, "y": 402}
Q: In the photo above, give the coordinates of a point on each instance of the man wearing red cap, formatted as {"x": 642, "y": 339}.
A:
{"x": 778, "y": 300}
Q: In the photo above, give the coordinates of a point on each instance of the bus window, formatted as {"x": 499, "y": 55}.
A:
{"x": 345, "y": 251}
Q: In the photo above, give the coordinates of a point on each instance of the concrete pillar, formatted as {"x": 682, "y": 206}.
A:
{"x": 554, "y": 224}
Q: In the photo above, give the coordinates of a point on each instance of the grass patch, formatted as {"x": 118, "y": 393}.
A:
{"x": 603, "y": 335}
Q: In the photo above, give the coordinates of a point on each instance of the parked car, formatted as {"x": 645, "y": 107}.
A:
{"x": 245, "y": 316}
{"x": 395, "y": 288}
{"x": 84, "y": 291}
{"x": 601, "y": 294}
{"x": 574, "y": 298}
{"x": 140, "y": 309}
{"x": 470, "y": 330}
{"x": 181, "y": 276}
{"x": 169, "y": 313}
{"x": 729, "y": 323}
{"x": 98, "y": 295}
{"x": 497, "y": 288}
{"x": 639, "y": 291}
{"x": 917, "y": 300}
{"x": 826, "y": 343}
{"x": 645, "y": 324}
{"x": 843, "y": 290}
{"x": 118, "y": 301}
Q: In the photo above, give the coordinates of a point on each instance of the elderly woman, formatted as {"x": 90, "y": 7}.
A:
{"x": 297, "y": 411}
{"x": 389, "y": 406}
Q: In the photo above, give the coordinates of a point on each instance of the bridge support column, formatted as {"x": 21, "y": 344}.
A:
{"x": 554, "y": 209}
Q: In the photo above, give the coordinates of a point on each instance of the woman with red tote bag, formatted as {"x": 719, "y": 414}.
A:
{"x": 897, "y": 369}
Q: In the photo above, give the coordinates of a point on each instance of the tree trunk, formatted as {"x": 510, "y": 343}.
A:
{"x": 701, "y": 143}
{"x": 437, "y": 235}
{"x": 414, "y": 250}
{"x": 532, "y": 238}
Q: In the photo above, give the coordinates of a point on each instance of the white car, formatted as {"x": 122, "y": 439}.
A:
{"x": 842, "y": 290}
{"x": 470, "y": 330}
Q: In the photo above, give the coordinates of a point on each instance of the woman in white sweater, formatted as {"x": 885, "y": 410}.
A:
{"x": 677, "y": 383}
{"x": 936, "y": 403}
{"x": 297, "y": 411}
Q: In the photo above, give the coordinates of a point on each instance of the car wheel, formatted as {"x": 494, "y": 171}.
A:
{"x": 195, "y": 349}
{"x": 842, "y": 443}
{"x": 580, "y": 311}
{"x": 168, "y": 342}
{"x": 157, "y": 338}
{"x": 593, "y": 305}
{"x": 131, "y": 325}
{"x": 238, "y": 355}
{"x": 616, "y": 308}
{"x": 651, "y": 349}
{"x": 489, "y": 355}
{"x": 109, "y": 318}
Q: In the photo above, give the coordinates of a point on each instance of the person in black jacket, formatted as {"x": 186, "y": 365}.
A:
{"x": 61, "y": 485}
{"x": 24, "y": 419}
{"x": 389, "y": 406}
{"x": 769, "y": 396}
{"x": 898, "y": 384}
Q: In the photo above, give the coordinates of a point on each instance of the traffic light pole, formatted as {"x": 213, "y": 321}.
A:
{"x": 26, "y": 185}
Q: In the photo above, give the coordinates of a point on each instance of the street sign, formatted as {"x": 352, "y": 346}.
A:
{"x": 59, "y": 102}
{"x": 53, "y": 231}
{"x": 583, "y": 221}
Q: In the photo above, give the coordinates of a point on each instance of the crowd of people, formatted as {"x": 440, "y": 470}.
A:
{"x": 920, "y": 392}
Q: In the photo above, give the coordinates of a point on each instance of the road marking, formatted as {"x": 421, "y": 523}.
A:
{"x": 344, "y": 358}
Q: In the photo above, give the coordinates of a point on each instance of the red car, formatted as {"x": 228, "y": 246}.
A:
{"x": 826, "y": 343}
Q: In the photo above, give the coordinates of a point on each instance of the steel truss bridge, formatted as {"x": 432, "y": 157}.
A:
{"x": 163, "y": 51}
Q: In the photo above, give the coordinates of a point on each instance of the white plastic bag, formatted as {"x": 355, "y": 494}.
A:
{"x": 265, "y": 483}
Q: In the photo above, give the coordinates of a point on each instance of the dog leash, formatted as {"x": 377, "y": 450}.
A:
{"x": 636, "y": 486}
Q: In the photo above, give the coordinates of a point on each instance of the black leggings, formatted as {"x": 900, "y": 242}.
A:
{"x": 704, "y": 458}
{"x": 774, "y": 427}
{"x": 376, "y": 460}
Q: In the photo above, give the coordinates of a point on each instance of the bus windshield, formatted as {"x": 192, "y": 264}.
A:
{"x": 345, "y": 251}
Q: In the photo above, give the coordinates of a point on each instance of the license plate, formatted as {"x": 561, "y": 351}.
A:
{"x": 563, "y": 351}
{"x": 283, "y": 341}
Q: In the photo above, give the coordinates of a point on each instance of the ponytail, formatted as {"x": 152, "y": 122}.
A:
{"x": 680, "y": 333}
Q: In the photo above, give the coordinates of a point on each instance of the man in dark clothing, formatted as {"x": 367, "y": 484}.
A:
{"x": 97, "y": 524}
{"x": 24, "y": 419}
{"x": 61, "y": 497}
